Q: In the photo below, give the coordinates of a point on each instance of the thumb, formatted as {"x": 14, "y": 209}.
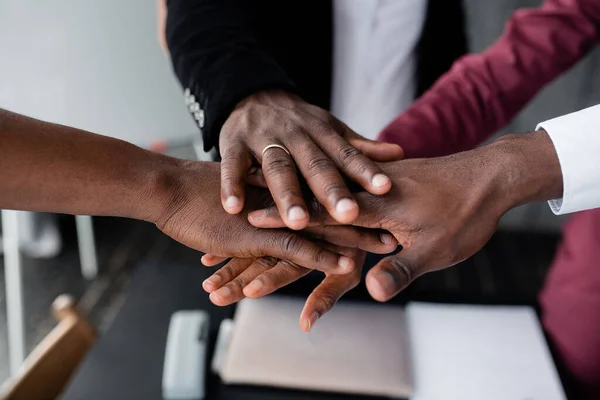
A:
{"x": 375, "y": 150}
{"x": 378, "y": 151}
{"x": 393, "y": 274}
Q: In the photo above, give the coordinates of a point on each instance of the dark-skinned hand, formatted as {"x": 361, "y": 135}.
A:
{"x": 259, "y": 277}
{"x": 321, "y": 148}
{"x": 443, "y": 210}
{"x": 190, "y": 212}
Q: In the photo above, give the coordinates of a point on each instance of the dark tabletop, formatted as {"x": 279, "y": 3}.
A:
{"x": 127, "y": 360}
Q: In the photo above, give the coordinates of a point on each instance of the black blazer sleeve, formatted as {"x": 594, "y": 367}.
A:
{"x": 218, "y": 60}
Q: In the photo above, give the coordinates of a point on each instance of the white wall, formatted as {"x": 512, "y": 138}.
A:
{"x": 93, "y": 64}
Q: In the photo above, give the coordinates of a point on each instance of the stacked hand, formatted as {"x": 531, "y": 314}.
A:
{"x": 54, "y": 168}
{"x": 438, "y": 210}
{"x": 441, "y": 210}
{"x": 283, "y": 134}
{"x": 259, "y": 277}
{"x": 192, "y": 215}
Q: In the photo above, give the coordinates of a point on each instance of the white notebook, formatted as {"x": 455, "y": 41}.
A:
{"x": 356, "y": 348}
{"x": 429, "y": 352}
{"x": 480, "y": 353}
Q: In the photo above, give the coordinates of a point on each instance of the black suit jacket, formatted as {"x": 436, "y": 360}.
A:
{"x": 225, "y": 50}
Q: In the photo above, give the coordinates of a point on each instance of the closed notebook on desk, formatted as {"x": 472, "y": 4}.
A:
{"x": 466, "y": 352}
{"x": 357, "y": 348}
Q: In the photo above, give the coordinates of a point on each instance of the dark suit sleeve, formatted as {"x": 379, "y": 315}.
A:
{"x": 218, "y": 60}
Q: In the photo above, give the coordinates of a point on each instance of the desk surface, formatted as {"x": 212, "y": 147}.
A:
{"x": 127, "y": 361}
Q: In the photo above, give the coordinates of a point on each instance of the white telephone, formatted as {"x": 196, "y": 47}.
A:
{"x": 184, "y": 372}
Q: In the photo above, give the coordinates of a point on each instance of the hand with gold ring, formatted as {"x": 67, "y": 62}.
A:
{"x": 292, "y": 141}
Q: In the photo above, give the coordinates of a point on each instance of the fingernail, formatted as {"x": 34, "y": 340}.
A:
{"x": 254, "y": 286}
{"x": 232, "y": 202}
{"x": 345, "y": 205}
{"x": 295, "y": 213}
{"x": 344, "y": 262}
{"x": 386, "y": 238}
{"x": 380, "y": 180}
{"x": 387, "y": 282}
{"x": 256, "y": 215}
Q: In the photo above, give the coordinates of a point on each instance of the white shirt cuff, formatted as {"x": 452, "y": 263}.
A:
{"x": 576, "y": 138}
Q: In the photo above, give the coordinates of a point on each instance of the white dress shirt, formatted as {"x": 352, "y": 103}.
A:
{"x": 374, "y": 60}
{"x": 576, "y": 138}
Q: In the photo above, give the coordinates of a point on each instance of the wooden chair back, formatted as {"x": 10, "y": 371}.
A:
{"x": 48, "y": 368}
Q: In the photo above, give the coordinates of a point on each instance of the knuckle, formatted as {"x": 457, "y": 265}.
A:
{"x": 328, "y": 300}
{"x": 295, "y": 133}
{"x": 236, "y": 285}
{"x": 289, "y": 268}
{"x": 335, "y": 124}
{"x": 321, "y": 256}
{"x": 225, "y": 274}
{"x": 334, "y": 189}
{"x": 348, "y": 154}
{"x": 231, "y": 156}
{"x": 265, "y": 262}
{"x": 333, "y": 121}
{"x": 318, "y": 165}
{"x": 290, "y": 244}
{"x": 405, "y": 271}
{"x": 278, "y": 166}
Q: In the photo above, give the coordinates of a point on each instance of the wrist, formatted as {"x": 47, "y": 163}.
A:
{"x": 526, "y": 168}
{"x": 157, "y": 188}
{"x": 277, "y": 97}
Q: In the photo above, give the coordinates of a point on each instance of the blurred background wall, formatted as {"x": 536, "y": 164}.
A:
{"x": 92, "y": 64}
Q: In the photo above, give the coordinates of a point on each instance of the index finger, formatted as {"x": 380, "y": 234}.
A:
{"x": 371, "y": 240}
{"x": 326, "y": 295}
{"x": 301, "y": 251}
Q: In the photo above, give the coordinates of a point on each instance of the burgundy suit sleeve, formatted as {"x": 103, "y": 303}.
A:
{"x": 483, "y": 92}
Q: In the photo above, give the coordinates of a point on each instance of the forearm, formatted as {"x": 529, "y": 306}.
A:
{"x": 53, "y": 168}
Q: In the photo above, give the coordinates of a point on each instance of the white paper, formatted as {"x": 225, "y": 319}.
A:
{"x": 480, "y": 353}
{"x": 355, "y": 348}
